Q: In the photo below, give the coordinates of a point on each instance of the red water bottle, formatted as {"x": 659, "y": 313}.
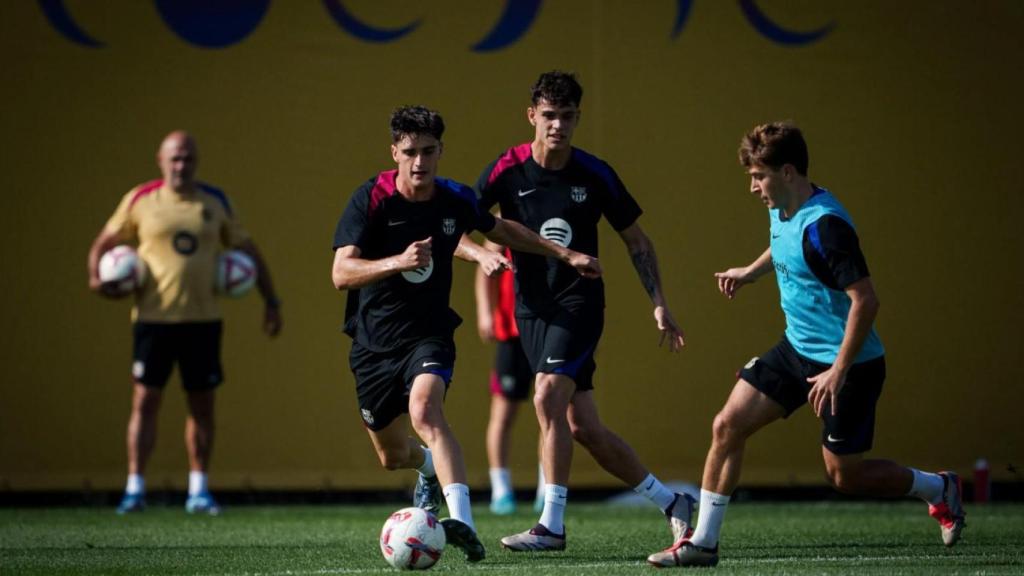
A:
{"x": 982, "y": 482}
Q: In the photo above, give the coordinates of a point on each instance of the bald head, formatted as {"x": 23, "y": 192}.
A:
{"x": 177, "y": 158}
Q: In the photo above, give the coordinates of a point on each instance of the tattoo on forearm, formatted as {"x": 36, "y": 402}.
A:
{"x": 646, "y": 265}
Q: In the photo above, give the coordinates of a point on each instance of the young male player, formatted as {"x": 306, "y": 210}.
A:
{"x": 510, "y": 381}
{"x": 393, "y": 250}
{"x": 180, "y": 225}
{"x": 561, "y": 192}
{"x": 829, "y": 357}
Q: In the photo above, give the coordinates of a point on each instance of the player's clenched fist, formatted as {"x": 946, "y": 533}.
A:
{"x": 417, "y": 255}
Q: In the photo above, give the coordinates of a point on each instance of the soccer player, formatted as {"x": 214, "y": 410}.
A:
{"x": 829, "y": 356}
{"x": 180, "y": 225}
{"x": 561, "y": 192}
{"x": 510, "y": 382}
{"x": 393, "y": 250}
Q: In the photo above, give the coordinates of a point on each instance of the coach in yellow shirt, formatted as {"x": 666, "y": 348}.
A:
{"x": 180, "y": 225}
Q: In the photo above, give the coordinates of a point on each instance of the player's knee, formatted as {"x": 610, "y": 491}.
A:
{"x": 724, "y": 429}
{"x": 393, "y": 458}
{"x": 584, "y": 434}
{"x": 845, "y": 479}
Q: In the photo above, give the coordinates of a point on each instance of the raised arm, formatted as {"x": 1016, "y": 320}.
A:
{"x": 641, "y": 251}
{"x": 350, "y": 271}
{"x": 519, "y": 237}
{"x": 734, "y": 278}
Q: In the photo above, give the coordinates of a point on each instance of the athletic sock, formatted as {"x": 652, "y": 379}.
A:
{"x": 501, "y": 483}
{"x": 553, "y": 516}
{"x": 457, "y": 498}
{"x": 196, "y": 483}
{"x": 709, "y": 522}
{"x": 652, "y": 489}
{"x": 927, "y": 486}
{"x": 135, "y": 485}
{"x": 427, "y": 468}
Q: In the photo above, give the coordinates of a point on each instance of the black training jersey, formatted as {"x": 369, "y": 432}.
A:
{"x": 412, "y": 305}
{"x": 563, "y": 206}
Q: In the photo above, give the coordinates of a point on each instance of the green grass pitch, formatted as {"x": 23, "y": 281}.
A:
{"x": 759, "y": 538}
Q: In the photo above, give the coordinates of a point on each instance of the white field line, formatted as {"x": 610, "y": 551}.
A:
{"x": 585, "y": 565}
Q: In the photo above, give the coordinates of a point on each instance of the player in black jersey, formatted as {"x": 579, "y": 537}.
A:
{"x": 561, "y": 192}
{"x": 393, "y": 253}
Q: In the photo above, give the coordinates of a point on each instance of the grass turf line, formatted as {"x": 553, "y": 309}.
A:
{"x": 784, "y": 538}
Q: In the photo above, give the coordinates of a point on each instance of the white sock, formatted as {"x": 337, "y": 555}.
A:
{"x": 652, "y": 489}
{"x": 709, "y": 522}
{"x": 196, "y": 483}
{"x": 427, "y": 469}
{"x": 540, "y": 481}
{"x": 136, "y": 484}
{"x": 457, "y": 498}
{"x": 501, "y": 483}
{"x": 553, "y": 516}
{"x": 927, "y": 486}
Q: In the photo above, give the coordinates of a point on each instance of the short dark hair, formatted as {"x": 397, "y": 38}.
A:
{"x": 774, "y": 145}
{"x": 410, "y": 120}
{"x": 558, "y": 88}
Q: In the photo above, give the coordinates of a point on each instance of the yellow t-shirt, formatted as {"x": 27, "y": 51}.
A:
{"x": 179, "y": 237}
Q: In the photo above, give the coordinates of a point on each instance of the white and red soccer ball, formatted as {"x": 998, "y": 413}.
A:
{"x": 412, "y": 539}
{"x": 121, "y": 270}
{"x": 236, "y": 273}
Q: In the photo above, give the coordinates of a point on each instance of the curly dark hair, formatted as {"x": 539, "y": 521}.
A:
{"x": 410, "y": 120}
{"x": 558, "y": 88}
{"x": 774, "y": 145}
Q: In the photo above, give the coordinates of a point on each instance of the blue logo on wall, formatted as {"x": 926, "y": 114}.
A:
{"x": 222, "y": 23}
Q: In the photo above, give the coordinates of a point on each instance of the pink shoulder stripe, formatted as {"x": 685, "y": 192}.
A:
{"x": 384, "y": 187}
{"x": 144, "y": 189}
{"x": 512, "y": 157}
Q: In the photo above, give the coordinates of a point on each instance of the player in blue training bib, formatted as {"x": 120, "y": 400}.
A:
{"x": 830, "y": 355}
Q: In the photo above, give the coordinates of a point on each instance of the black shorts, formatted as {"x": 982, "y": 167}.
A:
{"x": 781, "y": 374}
{"x": 195, "y": 346}
{"x": 564, "y": 343}
{"x": 383, "y": 379}
{"x": 512, "y": 376}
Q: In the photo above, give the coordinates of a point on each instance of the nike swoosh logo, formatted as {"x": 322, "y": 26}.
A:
{"x": 426, "y": 364}
{"x": 649, "y": 485}
{"x": 551, "y": 360}
{"x": 717, "y": 504}
{"x": 776, "y": 235}
{"x": 525, "y": 192}
{"x": 831, "y": 439}
{"x": 395, "y": 222}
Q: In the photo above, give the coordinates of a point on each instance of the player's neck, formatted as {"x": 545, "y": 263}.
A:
{"x": 801, "y": 194}
{"x": 184, "y": 189}
{"x": 412, "y": 193}
{"x": 549, "y": 158}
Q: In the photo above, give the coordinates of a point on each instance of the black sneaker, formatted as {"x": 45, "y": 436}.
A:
{"x": 460, "y": 535}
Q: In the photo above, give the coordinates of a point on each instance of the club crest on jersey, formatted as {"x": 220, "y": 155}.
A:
{"x": 448, "y": 226}
{"x": 578, "y": 194}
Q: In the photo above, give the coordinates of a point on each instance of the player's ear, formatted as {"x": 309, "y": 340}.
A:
{"x": 440, "y": 149}
{"x": 394, "y": 153}
{"x": 531, "y": 115}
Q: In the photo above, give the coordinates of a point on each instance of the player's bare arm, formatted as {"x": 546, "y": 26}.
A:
{"x": 486, "y": 289}
{"x": 863, "y": 310}
{"x": 272, "y": 320}
{"x": 104, "y": 241}
{"x": 519, "y": 237}
{"x": 491, "y": 262}
{"x": 733, "y": 279}
{"x": 645, "y": 260}
{"x": 350, "y": 271}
